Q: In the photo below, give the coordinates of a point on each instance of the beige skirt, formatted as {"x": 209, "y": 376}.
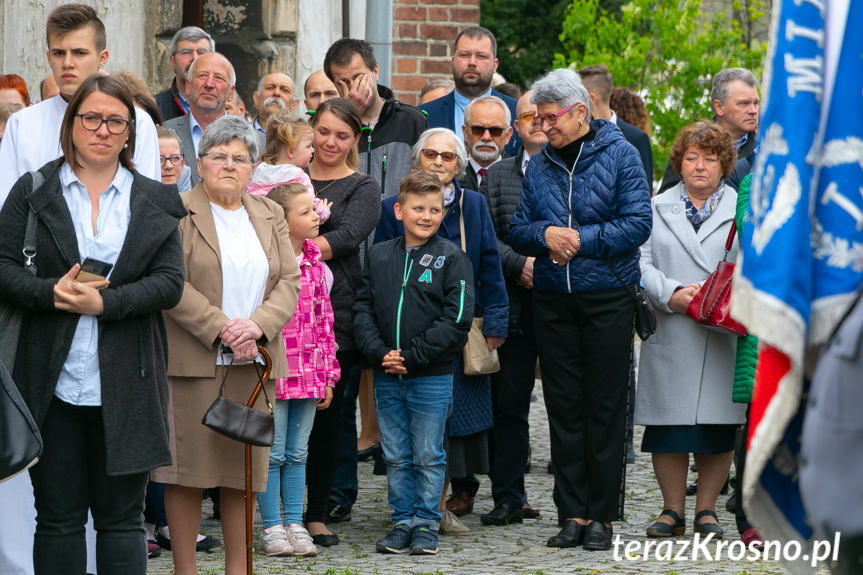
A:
{"x": 201, "y": 457}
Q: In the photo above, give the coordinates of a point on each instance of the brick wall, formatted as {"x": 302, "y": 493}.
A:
{"x": 423, "y": 33}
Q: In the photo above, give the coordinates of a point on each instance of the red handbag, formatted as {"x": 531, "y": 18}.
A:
{"x": 711, "y": 306}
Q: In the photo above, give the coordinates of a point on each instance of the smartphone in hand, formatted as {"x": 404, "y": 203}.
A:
{"x": 92, "y": 269}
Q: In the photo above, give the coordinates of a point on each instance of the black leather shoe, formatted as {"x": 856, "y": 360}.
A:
{"x": 597, "y": 537}
{"x": 660, "y": 529}
{"x": 503, "y": 514}
{"x": 325, "y": 539}
{"x": 571, "y": 535}
{"x": 368, "y": 452}
{"x": 708, "y": 528}
{"x": 337, "y": 513}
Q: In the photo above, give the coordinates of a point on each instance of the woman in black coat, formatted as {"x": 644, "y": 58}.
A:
{"x": 91, "y": 358}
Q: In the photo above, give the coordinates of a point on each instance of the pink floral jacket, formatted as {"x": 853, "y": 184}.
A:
{"x": 310, "y": 344}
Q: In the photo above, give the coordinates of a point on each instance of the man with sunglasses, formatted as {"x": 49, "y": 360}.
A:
{"x": 186, "y": 45}
{"x": 474, "y": 62}
{"x": 486, "y": 130}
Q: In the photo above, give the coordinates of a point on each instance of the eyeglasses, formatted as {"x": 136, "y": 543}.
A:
{"x": 190, "y": 51}
{"x": 552, "y": 118}
{"x": 432, "y": 155}
{"x": 494, "y": 131}
{"x": 221, "y": 159}
{"x": 528, "y": 117}
{"x": 92, "y": 122}
{"x": 176, "y": 159}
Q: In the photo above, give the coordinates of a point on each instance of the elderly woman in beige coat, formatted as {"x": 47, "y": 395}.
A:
{"x": 686, "y": 370}
{"x": 242, "y": 284}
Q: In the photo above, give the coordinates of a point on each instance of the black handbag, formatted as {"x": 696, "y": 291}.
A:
{"x": 20, "y": 440}
{"x": 241, "y": 421}
{"x": 21, "y": 443}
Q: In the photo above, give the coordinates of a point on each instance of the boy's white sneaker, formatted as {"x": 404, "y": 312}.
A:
{"x": 301, "y": 541}
{"x": 274, "y": 542}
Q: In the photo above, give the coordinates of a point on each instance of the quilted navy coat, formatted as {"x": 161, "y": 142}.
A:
{"x": 606, "y": 198}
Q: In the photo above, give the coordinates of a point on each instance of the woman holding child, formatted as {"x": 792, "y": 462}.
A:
{"x": 241, "y": 289}
{"x": 354, "y": 212}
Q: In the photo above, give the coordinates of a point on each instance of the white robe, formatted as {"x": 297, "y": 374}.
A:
{"x": 31, "y": 140}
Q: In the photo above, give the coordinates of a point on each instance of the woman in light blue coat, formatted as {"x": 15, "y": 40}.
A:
{"x": 686, "y": 370}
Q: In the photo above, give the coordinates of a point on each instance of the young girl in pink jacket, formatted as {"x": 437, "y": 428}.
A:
{"x": 310, "y": 347}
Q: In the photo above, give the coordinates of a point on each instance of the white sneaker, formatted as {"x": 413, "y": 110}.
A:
{"x": 274, "y": 542}
{"x": 301, "y": 541}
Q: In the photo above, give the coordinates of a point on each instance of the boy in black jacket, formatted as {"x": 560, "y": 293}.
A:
{"x": 413, "y": 314}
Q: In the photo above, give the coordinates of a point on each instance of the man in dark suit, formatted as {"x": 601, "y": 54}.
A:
{"x": 513, "y": 384}
{"x": 599, "y": 83}
{"x": 186, "y": 45}
{"x": 487, "y": 128}
{"x": 474, "y": 61}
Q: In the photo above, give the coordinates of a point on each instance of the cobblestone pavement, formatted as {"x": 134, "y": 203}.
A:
{"x": 514, "y": 550}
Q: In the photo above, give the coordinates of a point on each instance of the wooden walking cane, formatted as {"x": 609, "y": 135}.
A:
{"x": 268, "y": 366}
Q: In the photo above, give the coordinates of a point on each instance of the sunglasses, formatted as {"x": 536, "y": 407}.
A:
{"x": 432, "y": 155}
{"x": 494, "y": 131}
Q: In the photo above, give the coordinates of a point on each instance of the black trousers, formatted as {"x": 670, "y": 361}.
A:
{"x": 323, "y": 457}
{"x": 740, "y": 466}
{"x": 71, "y": 478}
{"x": 511, "y": 388}
{"x": 585, "y": 344}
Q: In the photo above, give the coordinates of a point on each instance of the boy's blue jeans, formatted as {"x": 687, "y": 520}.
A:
{"x": 412, "y": 414}
{"x": 286, "y": 478}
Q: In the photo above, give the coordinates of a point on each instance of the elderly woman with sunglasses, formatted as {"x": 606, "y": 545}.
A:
{"x": 242, "y": 283}
{"x": 583, "y": 212}
{"x": 440, "y": 152}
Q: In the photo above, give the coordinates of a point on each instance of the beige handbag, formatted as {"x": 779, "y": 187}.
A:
{"x": 478, "y": 360}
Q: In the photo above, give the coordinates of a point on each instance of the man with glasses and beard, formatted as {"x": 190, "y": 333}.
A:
{"x": 474, "y": 62}
{"x": 275, "y": 93}
{"x": 487, "y": 129}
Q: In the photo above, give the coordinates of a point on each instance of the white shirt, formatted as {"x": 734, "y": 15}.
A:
{"x": 32, "y": 139}
{"x": 80, "y": 380}
{"x": 525, "y": 158}
{"x": 244, "y": 264}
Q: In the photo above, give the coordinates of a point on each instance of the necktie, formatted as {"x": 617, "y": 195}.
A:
{"x": 481, "y": 172}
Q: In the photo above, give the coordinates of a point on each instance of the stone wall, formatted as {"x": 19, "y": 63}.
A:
{"x": 23, "y": 46}
{"x": 423, "y": 34}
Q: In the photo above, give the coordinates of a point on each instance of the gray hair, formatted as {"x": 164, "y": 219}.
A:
{"x": 228, "y": 128}
{"x": 191, "y": 34}
{"x": 725, "y": 77}
{"x": 261, "y": 81}
{"x": 230, "y": 67}
{"x": 435, "y": 83}
{"x": 562, "y": 87}
{"x": 489, "y": 100}
{"x": 460, "y": 150}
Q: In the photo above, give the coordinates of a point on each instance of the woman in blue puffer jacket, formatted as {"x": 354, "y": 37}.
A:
{"x": 583, "y": 213}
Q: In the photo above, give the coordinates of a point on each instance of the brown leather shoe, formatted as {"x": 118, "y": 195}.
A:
{"x": 460, "y": 504}
{"x": 529, "y": 512}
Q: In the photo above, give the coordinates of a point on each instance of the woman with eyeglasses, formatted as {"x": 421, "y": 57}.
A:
{"x": 583, "y": 213}
{"x": 171, "y": 160}
{"x": 439, "y": 151}
{"x": 354, "y": 212}
{"x": 91, "y": 357}
{"x": 242, "y": 284}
